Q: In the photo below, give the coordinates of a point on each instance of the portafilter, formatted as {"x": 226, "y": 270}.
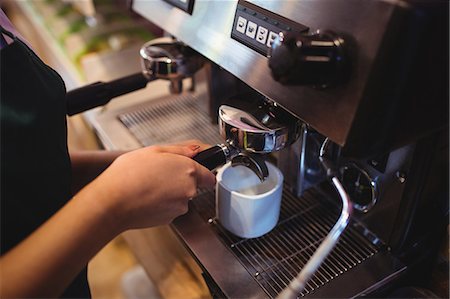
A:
{"x": 161, "y": 58}
{"x": 249, "y": 135}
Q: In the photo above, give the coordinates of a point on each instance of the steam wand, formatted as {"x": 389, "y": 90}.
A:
{"x": 299, "y": 282}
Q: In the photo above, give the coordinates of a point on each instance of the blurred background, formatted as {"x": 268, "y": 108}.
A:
{"x": 88, "y": 41}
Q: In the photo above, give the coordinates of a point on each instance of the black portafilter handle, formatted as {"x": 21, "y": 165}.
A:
{"x": 100, "y": 93}
{"x": 220, "y": 154}
{"x": 212, "y": 157}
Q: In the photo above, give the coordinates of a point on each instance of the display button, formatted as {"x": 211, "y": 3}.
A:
{"x": 257, "y": 28}
{"x": 240, "y": 25}
{"x": 272, "y": 36}
{"x": 251, "y": 29}
{"x": 261, "y": 36}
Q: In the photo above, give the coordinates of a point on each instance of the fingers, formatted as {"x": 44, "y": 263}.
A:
{"x": 205, "y": 178}
{"x": 193, "y": 142}
{"x": 187, "y": 148}
{"x": 184, "y": 150}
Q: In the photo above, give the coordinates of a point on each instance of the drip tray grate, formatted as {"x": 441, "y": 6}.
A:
{"x": 171, "y": 120}
{"x": 277, "y": 257}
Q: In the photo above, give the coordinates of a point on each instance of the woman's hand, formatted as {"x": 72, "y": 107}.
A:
{"x": 89, "y": 164}
{"x": 151, "y": 186}
{"x": 146, "y": 187}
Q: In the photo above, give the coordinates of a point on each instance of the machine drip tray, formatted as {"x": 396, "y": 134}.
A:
{"x": 170, "y": 120}
{"x": 274, "y": 259}
{"x": 260, "y": 267}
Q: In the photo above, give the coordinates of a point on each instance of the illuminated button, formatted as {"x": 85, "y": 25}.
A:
{"x": 240, "y": 25}
{"x": 251, "y": 29}
{"x": 261, "y": 36}
{"x": 272, "y": 36}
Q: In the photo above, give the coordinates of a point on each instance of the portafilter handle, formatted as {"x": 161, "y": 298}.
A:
{"x": 100, "y": 93}
{"x": 216, "y": 156}
{"x": 161, "y": 58}
{"x": 221, "y": 154}
{"x": 248, "y": 135}
{"x": 266, "y": 129}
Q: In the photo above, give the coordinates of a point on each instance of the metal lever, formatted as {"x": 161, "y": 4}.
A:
{"x": 160, "y": 58}
{"x": 299, "y": 282}
{"x": 100, "y": 93}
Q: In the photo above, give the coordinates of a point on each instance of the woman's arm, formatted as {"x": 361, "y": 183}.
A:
{"x": 87, "y": 165}
{"x": 143, "y": 188}
{"x": 46, "y": 262}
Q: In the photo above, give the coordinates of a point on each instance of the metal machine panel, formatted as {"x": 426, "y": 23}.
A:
{"x": 345, "y": 113}
{"x": 396, "y": 93}
{"x": 329, "y": 111}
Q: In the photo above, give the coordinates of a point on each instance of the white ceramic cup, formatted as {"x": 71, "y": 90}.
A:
{"x": 245, "y": 206}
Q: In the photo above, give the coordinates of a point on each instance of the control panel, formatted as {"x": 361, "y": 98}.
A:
{"x": 257, "y": 28}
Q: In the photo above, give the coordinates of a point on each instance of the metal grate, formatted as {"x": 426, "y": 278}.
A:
{"x": 175, "y": 119}
{"x": 277, "y": 257}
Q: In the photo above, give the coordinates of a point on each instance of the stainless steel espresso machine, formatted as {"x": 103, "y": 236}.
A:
{"x": 362, "y": 82}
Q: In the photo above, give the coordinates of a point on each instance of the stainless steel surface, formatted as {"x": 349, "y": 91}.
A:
{"x": 299, "y": 162}
{"x": 261, "y": 267}
{"x": 161, "y": 59}
{"x": 242, "y": 130}
{"x": 374, "y": 114}
{"x": 381, "y": 270}
{"x": 165, "y": 58}
{"x": 388, "y": 190}
{"x": 274, "y": 259}
{"x": 167, "y": 121}
{"x": 378, "y": 34}
{"x": 358, "y": 186}
{"x": 228, "y": 150}
{"x": 114, "y": 135}
{"x": 331, "y": 113}
{"x": 298, "y": 284}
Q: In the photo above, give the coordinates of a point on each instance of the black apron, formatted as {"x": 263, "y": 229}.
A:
{"x": 35, "y": 164}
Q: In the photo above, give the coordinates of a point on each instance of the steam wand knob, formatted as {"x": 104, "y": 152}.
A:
{"x": 319, "y": 58}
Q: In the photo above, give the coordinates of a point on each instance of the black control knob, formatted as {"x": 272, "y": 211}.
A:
{"x": 309, "y": 59}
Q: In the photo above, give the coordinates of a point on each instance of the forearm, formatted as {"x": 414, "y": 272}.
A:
{"x": 87, "y": 165}
{"x": 136, "y": 191}
{"x": 47, "y": 261}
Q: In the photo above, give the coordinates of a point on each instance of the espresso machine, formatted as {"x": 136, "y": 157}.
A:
{"x": 350, "y": 99}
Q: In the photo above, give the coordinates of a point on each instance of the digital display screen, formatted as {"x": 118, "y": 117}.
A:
{"x": 186, "y": 5}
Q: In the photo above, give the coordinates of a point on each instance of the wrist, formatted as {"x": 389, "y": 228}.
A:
{"x": 102, "y": 203}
